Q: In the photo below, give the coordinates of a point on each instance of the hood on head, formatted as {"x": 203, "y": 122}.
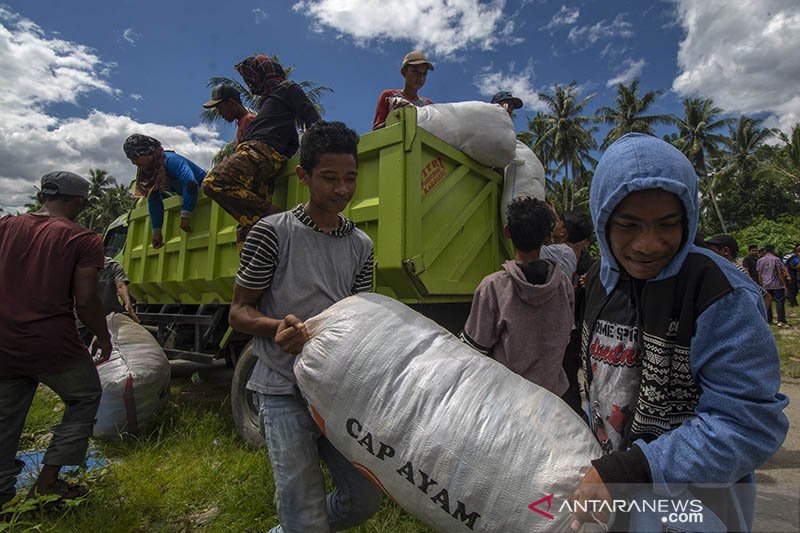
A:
{"x": 633, "y": 163}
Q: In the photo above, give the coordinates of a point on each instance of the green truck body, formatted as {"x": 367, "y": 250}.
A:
{"x": 431, "y": 211}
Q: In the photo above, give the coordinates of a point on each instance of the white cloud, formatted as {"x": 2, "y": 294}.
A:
{"x": 588, "y": 35}
{"x": 135, "y": 96}
{"x": 442, "y": 27}
{"x": 632, "y": 70}
{"x": 489, "y": 81}
{"x": 130, "y": 35}
{"x": 259, "y": 15}
{"x": 564, "y": 17}
{"x": 39, "y": 70}
{"x": 742, "y": 54}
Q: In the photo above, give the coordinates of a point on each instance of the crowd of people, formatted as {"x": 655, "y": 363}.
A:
{"x": 681, "y": 371}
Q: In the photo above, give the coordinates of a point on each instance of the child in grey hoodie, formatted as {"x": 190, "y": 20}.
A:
{"x": 522, "y": 315}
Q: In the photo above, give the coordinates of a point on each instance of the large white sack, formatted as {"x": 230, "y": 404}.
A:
{"x": 482, "y": 131}
{"x": 135, "y": 380}
{"x": 524, "y": 176}
{"x": 454, "y": 437}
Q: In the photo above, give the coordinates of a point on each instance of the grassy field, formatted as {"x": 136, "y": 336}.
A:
{"x": 190, "y": 473}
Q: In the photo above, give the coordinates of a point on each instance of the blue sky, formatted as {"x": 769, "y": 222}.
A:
{"x": 80, "y": 76}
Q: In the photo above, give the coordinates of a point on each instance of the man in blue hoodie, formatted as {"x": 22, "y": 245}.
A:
{"x": 682, "y": 369}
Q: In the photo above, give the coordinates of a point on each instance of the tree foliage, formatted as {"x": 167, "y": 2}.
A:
{"x": 628, "y": 114}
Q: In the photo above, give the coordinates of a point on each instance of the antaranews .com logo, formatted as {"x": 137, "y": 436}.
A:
{"x": 672, "y": 511}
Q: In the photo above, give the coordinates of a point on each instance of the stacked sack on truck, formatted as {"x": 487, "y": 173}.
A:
{"x": 482, "y": 131}
{"x": 486, "y": 133}
{"x": 454, "y": 437}
{"x": 135, "y": 380}
{"x": 524, "y": 176}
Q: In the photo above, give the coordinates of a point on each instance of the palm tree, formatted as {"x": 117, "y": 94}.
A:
{"x": 699, "y": 142}
{"x": 570, "y": 140}
{"x": 742, "y": 143}
{"x": 535, "y": 138}
{"x": 628, "y": 116}
{"x": 789, "y": 163}
{"x": 252, "y": 102}
{"x": 696, "y": 131}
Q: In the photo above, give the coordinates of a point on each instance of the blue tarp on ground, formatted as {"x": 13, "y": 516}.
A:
{"x": 33, "y": 465}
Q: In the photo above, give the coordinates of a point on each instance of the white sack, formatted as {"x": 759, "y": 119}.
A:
{"x": 135, "y": 380}
{"x": 482, "y": 131}
{"x": 524, "y": 176}
{"x": 454, "y": 437}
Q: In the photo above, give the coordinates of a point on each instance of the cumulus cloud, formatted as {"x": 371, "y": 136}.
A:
{"x": 442, "y": 27}
{"x": 130, "y": 35}
{"x": 40, "y": 70}
{"x": 742, "y": 54}
{"x": 259, "y": 15}
{"x": 586, "y": 36}
{"x": 631, "y": 70}
{"x": 564, "y": 17}
{"x": 489, "y": 81}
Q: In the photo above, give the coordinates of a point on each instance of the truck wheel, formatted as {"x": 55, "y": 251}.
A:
{"x": 243, "y": 401}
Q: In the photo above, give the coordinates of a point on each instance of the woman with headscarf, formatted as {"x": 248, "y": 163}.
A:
{"x": 162, "y": 171}
{"x": 242, "y": 184}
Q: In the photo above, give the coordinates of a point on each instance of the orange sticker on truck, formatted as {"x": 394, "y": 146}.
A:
{"x": 432, "y": 174}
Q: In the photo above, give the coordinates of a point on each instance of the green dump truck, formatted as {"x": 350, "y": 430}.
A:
{"x": 431, "y": 211}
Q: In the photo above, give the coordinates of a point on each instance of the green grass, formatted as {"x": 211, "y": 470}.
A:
{"x": 189, "y": 473}
{"x": 788, "y": 341}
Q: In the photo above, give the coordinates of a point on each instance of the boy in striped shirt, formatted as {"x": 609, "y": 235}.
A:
{"x": 293, "y": 266}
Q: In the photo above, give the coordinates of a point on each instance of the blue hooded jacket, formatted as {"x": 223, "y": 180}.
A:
{"x": 738, "y": 422}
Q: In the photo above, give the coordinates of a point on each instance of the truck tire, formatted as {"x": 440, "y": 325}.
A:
{"x": 243, "y": 401}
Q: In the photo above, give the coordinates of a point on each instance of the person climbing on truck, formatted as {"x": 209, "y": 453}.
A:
{"x": 242, "y": 184}
{"x": 414, "y": 70}
{"x": 293, "y": 266}
{"x": 507, "y": 101}
{"x": 228, "y": 103}
{"x": 522, "y": 315}
{"x": 160, "y": 171}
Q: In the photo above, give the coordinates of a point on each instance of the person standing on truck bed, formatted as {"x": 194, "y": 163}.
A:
{"x": 48, "y": 267}
{"x": 160, "y": 171}
{"x": 414, "y": 70}
{"x": 294, "y": 265}
{"x": 228, "y": 103}
{"x": 242, "y": 184}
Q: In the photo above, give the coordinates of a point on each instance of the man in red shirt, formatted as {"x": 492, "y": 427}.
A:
{"x": 48, "y": 268}
{"x": 228, "y": 103}
{"x": 414, "y": 69}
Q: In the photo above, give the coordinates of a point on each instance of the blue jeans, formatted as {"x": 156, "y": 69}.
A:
{"x": 295, "y": 448}
{"x": 79, "y": 388}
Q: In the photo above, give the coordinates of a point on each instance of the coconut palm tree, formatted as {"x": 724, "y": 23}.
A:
{"x": 570, "y": 135}
{"x": 536, "y": 139}
{"x": 742, "y": 143}
{"x": 698, "y": 139}
{"x": 252, "y": 102}
{"x": 628, "y": 114}
{"x": 789, "y": 163}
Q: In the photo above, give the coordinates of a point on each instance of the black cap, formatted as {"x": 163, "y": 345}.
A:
{"x": 725, "y": 240}
{"x": 66, "y": 183}
{"x": 222, "y": 92}
{"x": 502, "y": 96}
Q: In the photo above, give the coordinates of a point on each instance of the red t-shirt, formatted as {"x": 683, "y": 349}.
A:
{"x": 38, "y": 256}
{"x": 241, "y": 126}
{"x": 383, "y": 108}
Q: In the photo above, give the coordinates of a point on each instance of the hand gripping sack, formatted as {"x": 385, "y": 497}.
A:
{"x": 482, "y": 131}
{"x": 135, "y": 380}
{"x": 454, "y": 437}
{"x": 524, "y": 176}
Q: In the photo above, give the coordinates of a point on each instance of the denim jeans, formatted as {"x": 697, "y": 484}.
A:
{"x": 295, "y": 447}
{"x": 778, "y": 296}
{"x": 80, "y": 390}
